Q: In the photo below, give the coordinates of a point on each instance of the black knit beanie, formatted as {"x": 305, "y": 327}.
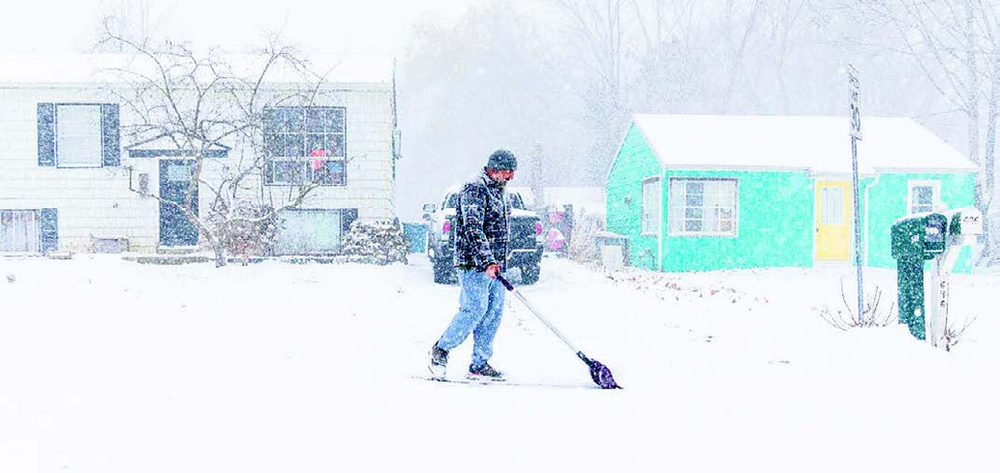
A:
{"x": 502, "y": 160}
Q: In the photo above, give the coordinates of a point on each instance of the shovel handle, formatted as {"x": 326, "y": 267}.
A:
{"x": 506, "y": 283}
{"x": 598, "y": 372}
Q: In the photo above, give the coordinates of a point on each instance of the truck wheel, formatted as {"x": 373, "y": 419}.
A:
{"x": 529, "y": 274}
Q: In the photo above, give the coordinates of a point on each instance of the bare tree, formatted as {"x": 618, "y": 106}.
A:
{"x": 784, "y": 21}
{"x": 670, "y": 63}
{"x": 597, "y": 29}
{"x": 128, "y": 19}
{"x": 490, "y": 80}
{"x": 202, "y": 102}
{"x": 957, "y": 46}
{"x": 737, "y": 46}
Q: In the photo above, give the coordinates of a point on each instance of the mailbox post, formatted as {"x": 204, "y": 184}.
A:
{"x": 937, "y": 237}
{"x": 964, "y": 227}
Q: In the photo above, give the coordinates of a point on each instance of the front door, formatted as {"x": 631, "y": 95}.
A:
{"x": 175, "y": 228}
{"x": 833, "y": 223}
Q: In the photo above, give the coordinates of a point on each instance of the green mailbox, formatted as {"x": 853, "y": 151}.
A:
{"x": 916, "y": 239}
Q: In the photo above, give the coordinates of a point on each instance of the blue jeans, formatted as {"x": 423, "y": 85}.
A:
{"x": 480, "y": 311}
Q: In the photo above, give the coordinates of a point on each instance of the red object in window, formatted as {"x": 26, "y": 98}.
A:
{"x": 538, "y": 228}
{"x": 446, "y": 228}
{"x": 317, "y": 164}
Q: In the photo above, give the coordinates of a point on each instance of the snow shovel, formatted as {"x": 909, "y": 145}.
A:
{"x": 598, "y": 372}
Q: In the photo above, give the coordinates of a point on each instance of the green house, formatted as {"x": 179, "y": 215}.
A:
{"x": 709, "y": 192}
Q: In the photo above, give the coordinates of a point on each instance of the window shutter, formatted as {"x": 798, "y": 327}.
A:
{"x": 347, "y": 217}
{"x": 46, "y": 134}
{"x": 49, "y": 228}
{"x": 110, "y": 134}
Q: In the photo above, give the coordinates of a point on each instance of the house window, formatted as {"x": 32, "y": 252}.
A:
{"x": 19, "y": 231}
{"x": 832, "y": 205}
{"x": 306, "y": 144}
{"x": 651, "y": 210}
{"x": 78, "y": 136}
{"x": 703, "y": 207}
{"x": 924, "y": 196}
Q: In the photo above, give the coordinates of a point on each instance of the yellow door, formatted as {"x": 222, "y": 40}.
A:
{"x": 833, "y": 222}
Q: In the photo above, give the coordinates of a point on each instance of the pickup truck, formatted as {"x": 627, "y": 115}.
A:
{"x": 526, "y": 241}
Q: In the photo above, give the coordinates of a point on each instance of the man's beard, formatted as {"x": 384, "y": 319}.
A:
{"x": 498, "y": 182}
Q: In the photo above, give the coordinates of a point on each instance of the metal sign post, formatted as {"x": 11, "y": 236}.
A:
{"x": 855, "y": 85}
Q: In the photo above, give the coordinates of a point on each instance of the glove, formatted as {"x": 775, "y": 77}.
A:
{"x": 493, "y": 271}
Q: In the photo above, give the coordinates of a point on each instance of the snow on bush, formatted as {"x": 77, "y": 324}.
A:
{"x": 376, "y": 242}
{"x": 249, "y": 231}
{"x": 583, "y": 247}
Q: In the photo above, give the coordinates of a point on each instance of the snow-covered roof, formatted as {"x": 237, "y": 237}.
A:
{"x": 172, "y": 144}
{"x": 99, "y": 68}
{"x": 818, "y": 144}
{"x": 58, "y": 68}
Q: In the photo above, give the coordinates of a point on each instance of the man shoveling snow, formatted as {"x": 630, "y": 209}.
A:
{"x": 481, "y": 246}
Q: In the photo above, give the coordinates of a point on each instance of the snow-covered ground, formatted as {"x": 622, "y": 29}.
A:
{"x": 114, "y": 367}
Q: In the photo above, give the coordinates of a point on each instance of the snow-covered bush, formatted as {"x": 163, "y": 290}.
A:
{"x": 582, "y": 247}
{"x": 249, "y": 231}
{"x": 377, "y": 242}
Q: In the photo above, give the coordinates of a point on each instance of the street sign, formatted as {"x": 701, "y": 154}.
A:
{"x": 855, "y": 94}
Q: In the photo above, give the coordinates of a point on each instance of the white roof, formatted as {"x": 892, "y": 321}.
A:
{"x": 100, "y": 68}
{"x": 818, "y": 144}
{"x": 170, "y": 142}
{"x": 58, "y": 68}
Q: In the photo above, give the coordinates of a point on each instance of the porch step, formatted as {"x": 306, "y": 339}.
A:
{"x": 168, "y": 259}
{"x": 177, "y": 250}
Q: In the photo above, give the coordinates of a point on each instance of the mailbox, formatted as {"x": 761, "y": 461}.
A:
{"x": 920, "y": 237}
{"x": 915, "y": 239}
{"x": 965, "y": 221}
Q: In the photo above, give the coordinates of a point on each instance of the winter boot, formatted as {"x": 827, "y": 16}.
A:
{"x": 484, "y": 372}
{"x": 439, "y": 362}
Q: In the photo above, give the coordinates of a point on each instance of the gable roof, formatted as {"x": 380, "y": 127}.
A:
{"x": 170, "y": 145}
{"x": 817, "y": 144}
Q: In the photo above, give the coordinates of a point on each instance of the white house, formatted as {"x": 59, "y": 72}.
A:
{"x": 69, "y": 182}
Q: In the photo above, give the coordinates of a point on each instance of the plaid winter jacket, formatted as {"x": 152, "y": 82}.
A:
{"x": 482, "y": 225}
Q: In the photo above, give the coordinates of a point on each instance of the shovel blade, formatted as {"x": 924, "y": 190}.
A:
{"x": 602, "y": 376}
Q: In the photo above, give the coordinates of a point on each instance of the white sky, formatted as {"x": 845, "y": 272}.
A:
{"x": 326, "y": 26}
